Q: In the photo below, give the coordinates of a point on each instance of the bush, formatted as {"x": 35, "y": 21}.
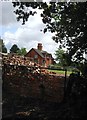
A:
{"x": 55, "y": 67}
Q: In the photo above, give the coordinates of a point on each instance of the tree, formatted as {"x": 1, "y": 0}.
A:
{"x": 4, "y": 49}
{"x": 67, "y": 20}
{"x": 22, "y": 51}
{"x": 59, "y": 56}
{"x": 14, "y": 49}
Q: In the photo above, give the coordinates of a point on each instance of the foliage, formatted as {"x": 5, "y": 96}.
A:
{"x": 22, "y": 51}
{"x": 14, "y": 49}
{"x": 76, "y": 87}
{"x": 55, "y": 67}
{"x": 59, "y": 53}
{"x": 69, "y": 26}
{"x": 4, "y": 49}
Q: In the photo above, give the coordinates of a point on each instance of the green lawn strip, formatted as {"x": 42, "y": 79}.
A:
{"x": 60, "y": 72}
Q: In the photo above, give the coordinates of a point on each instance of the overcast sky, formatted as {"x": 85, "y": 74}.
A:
{"x": 28, "y": 35}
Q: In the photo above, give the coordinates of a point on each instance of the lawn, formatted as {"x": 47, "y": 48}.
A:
{"x": 60, "y": 72}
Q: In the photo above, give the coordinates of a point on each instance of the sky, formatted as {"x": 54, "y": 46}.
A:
{"x": 28, "y": 35}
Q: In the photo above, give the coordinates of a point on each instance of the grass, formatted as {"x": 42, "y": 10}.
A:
{"x": 60, "y": 72}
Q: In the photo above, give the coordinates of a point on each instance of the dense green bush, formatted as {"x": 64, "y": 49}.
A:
{"x": 55, "y": 67}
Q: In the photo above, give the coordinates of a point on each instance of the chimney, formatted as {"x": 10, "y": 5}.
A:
{"x": 39, "y": 47}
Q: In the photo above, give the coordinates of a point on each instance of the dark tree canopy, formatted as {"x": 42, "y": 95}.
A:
{"x": 14, "y": 49}
{"x": 67, "y": 20}
{"x": 4, "y": 49}
{"x": 22, "y": 51}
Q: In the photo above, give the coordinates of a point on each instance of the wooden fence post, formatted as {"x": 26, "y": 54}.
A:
{"x": 65, "y": 83}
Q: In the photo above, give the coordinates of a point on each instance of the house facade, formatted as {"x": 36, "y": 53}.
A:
{"x": 40, "y": 56}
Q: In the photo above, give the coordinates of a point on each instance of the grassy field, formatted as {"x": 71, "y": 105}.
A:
{"x": 60, "y": 72}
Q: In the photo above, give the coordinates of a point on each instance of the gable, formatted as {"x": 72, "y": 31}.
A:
{"x": 36, "y": 51}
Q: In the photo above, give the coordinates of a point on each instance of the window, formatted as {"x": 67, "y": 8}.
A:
{"x": 43, "y": 62}
{"x": 36, "y": 56}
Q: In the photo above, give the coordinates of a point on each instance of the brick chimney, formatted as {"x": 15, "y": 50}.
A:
{"x": 39, "y": 47}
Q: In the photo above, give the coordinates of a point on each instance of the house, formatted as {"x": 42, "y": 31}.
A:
{"x": 40, "y": 56}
